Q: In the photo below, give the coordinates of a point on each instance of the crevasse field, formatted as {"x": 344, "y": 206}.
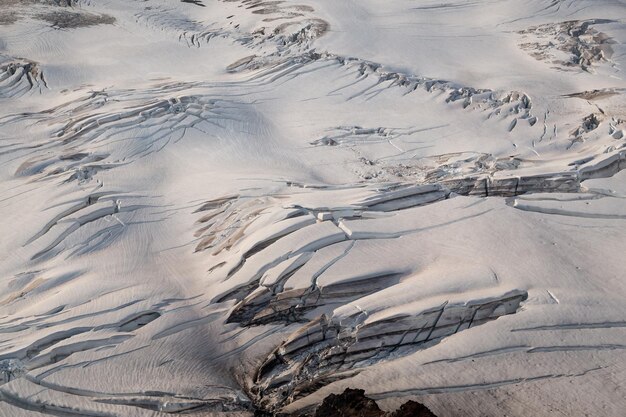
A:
{"x": 214, "y": 207}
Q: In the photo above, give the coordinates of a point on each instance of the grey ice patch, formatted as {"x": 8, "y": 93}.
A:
{"x": 72, "y": 20}
{"x": 10, "y": 369}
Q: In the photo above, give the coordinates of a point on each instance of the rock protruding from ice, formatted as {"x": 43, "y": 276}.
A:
{"x": 354, "y": 403}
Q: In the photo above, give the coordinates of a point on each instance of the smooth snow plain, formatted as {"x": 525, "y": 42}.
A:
{"x": 220, "y": 206}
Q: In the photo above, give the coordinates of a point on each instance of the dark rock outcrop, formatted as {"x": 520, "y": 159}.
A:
{"x": 412, "y": 409}
{"x": 354, "y": 403}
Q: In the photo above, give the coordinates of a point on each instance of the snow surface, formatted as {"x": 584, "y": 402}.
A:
{"x": 222, "y": 205}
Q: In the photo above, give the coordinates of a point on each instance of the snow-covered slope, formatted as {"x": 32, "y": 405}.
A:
{"x": 222, "y": 206}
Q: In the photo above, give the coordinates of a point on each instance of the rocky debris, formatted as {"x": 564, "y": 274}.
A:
{"x": 412, "y": 409}
{"x": 350, "y": 403}
{"x": 354, "y": 403}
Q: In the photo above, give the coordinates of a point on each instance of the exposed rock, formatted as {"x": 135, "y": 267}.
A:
{"x": 351, "y": 403}
{"x": 412, "y": 409}
{"x": 354, "y": 403}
